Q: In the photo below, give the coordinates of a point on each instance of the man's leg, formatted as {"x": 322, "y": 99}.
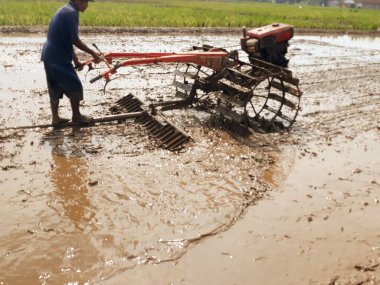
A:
{"x": 54, "y": 104}
{"x": 77, "y": 116}
{"x": 55, "y": 94}
{"x": 73, "y": 89}
{"x": 56, "y": 119}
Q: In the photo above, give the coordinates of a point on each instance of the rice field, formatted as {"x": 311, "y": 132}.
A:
{"x": 185, "y": 13}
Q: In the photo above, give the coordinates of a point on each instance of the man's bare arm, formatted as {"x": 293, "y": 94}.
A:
{"x": 83, "y": 47}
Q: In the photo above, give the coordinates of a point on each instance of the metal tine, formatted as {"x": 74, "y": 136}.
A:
{"x": 132, "y": 97}
{"x": 143, "y": 120}
{"x": 119, "y": 103}
{"x": 181, "y": 140}
{"x": 137, "y": 109}
{"x": 169, "y": 139}
{"x": 165, "y": 134}
{"x": 149, "y": 124}
{"x": 176, "y": 128}
{"x": 126, "y": 98}
{"x": 130, "y": 100}
{"x": 134, "y": 108}
{"x": 115, "y": 109}
{"x": 129, "y": 96}
{"x": 177, "y": 145}
{"x": 148, "y": 120}
{"x": 131, "y": 104}
{"x": 155, "y": 129}
{"x": 155, "y": 126}
{"x": 160, "y": 130}
{"x": 125, "y": 103}
{"x": 168, "y": 135}
{"x": 172, "y": 138}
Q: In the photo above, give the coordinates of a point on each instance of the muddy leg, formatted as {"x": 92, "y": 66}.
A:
{"x": 56, "y": 119}
{"x": 77, "y": 116}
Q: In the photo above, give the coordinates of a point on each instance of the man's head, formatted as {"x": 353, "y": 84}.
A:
{"x": 82, "y": 4}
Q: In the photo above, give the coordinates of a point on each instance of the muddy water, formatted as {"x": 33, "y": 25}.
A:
{"x": 106, "y": 204}
{"x": 80, "y": 205}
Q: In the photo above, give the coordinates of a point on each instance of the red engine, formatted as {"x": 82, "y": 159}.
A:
{"x": 269, "y": 43}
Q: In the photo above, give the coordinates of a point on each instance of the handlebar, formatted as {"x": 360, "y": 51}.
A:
{"x": 96, "y": 78}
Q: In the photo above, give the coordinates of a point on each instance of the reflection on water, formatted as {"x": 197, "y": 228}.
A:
{"x": 69, "y": 175}
{"x": 106, "y": 213}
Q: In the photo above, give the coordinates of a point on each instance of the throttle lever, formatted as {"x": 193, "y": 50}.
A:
{"x": 102, "y": 54}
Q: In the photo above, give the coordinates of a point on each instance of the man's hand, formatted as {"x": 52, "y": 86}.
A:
{"x": 97, "y": 58}
{"x": 79, "y": 66}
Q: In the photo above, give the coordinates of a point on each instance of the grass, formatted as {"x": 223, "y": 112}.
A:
{"x": 187, "y": 13}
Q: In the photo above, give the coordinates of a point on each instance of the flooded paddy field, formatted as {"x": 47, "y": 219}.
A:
{"x": 107, "y": 205}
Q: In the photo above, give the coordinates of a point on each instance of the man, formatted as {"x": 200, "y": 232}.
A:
{"x": 58, "y": 55}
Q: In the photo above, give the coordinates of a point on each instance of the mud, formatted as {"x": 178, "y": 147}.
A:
{"x": 107, "y": 205}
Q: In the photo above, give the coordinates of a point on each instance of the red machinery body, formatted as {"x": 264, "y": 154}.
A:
{"x": 269, "y": 43}
{"x": 215, "y": 60}
{"x": 261, "y": 94}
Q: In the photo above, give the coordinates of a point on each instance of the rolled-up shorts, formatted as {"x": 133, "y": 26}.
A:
{"x": 63, "y": 79}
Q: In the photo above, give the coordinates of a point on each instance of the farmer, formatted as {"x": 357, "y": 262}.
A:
{"x": 58, "y": 55}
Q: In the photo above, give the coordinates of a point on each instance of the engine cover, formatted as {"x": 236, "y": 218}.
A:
{"x": 275, "y": 33}
{"x": 268, "y": 43}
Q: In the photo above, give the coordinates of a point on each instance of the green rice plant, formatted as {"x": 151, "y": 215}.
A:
{"x": 187, "y": 13}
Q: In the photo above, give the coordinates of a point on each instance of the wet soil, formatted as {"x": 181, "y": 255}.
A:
{"x": 177, "y": 30}
{"x": 107, "y": 205}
